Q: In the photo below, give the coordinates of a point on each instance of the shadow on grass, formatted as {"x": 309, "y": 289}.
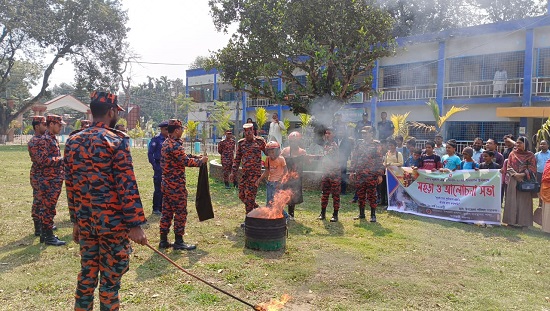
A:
{"x": 376, "y": 228}
{"x": 510, "y": 233}
{"x": 156, "y": 265}
{"x": 29, "y": 254}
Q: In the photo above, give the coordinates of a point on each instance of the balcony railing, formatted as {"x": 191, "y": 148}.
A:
{"x": 407, "y": 92}
{"x": 259, "y": 102}
{"x": 541, "y": 86}
{"x": 514, "y": 87}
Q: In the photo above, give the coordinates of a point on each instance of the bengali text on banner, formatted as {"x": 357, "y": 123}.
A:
{"x": 465, "y": 195}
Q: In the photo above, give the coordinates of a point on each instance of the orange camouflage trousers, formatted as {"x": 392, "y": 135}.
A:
{"x": 174, "y": 206}
{"x": 248, "y": 191}
{"x": 108, "y": 255}
{"x": 366, "y": 189}
{"x": 49, "y": 191}
{"x": 331, "y": 184}
{"x": 226, "y": 166}
{"x": 35, "y": 210}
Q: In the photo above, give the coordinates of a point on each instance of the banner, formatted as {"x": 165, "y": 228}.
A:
{"x": 464, "y": 195}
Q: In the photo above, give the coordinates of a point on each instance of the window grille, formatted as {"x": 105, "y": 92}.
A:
{"x": 483, "y": 67}
{"x": 543, "y": 62}
{"x": 468, "y": 131}
{"x": 409, "y": 74}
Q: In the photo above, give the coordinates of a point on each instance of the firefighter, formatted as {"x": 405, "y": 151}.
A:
{"x": 173, "y": 161}
{"x": 367, "y": 170}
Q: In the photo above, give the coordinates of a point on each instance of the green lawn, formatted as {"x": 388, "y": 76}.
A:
{"x": 401, "y": 263}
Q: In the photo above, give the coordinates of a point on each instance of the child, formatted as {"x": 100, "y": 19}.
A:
{"x": 451, "y": 161}
{"x": 414, "y": 159}
{"x": 393, "y": 157}
{"x": 275, "y": 169}
{"x": 468, "y": 163}
{"x": 488, "y": 162}
{"x": 429, "y": 160}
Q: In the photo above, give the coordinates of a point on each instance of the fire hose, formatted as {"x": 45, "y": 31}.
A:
{"x": 255, "y": 307}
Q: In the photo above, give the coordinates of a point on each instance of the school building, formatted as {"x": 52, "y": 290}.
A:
{"x": 500, "y": 71}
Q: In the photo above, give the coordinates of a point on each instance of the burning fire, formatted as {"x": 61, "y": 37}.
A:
{"x": 276, "y": 210}
{"x": 273, "y": 304}
{"x": 289, "y": 176}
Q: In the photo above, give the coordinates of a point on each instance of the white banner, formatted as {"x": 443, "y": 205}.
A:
{"x": 464, "y": 195}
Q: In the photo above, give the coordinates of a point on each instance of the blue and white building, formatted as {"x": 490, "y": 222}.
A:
{"x": 453, "y": 67}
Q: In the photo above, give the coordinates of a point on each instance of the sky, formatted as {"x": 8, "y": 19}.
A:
{"x": 162, "y": 31}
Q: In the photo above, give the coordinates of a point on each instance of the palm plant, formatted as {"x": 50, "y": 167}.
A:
{"x": 305, "y": 120}
{"x": 192, "y": 127}
{"x": 439, "y": 120}
{"x": 400, "y": 125}
{"x": 261, "y": 117}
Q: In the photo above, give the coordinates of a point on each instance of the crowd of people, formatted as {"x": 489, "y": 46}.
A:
{"x": 106, "y": 210}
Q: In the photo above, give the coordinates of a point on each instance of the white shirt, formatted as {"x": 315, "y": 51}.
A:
{"x": 275, "y": 132}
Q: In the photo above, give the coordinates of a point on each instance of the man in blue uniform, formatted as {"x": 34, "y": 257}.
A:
{"x": 155, "y": 146}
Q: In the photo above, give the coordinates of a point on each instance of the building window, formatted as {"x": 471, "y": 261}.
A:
{"x": 543, "y": 63}
{"x": 468, "y": 131}
{"x": 483, "y": 67}
{"x": 409, "y": 74}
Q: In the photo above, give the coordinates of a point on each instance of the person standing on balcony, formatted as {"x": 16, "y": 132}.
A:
{"x": 499, "y": 82}
{"x": 153, "y": 154}
{"x": 385, "y": 127}
{"x": 276, "y": 129}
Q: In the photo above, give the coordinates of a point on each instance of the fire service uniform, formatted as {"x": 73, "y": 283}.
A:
{"x": 104, "y": 204}
{"x": 50, "y": 164}
{"x": 174, "y": 193}
{"x": 249, "y": 152}
{"x": 226, "y": 148}
{"x": 32, "y": 147}
{"x": 153, "y": 154}
{"x": 331, "y": 180}
{"x": 366, "y": 163}
{"x": 84, "y": 124}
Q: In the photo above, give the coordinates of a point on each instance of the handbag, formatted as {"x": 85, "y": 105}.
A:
{"x": 528, "y": 185}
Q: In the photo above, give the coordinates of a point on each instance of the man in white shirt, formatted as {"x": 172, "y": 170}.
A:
{"x": 499, "y": 82}
{"x": 275, "y": 129}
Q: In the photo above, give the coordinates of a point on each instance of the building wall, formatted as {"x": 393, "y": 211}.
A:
{"x": 485, "y": 44}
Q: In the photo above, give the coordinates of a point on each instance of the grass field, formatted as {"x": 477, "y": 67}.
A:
{"x": 401, "y": 263}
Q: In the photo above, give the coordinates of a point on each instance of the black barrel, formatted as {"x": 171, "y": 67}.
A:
{"x": 265, "y": 234}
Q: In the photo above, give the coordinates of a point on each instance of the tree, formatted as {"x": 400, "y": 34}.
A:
{"x": 333, "y": 42}
{"x": 199, "y": 62}
{"x": 506, "y": 10}
{"x": 221, "y": 116}
{"x": 414, "y": 17}
{"x": 89, "y": 33}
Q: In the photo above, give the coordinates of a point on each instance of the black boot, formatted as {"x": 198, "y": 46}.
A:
{"x": 37, "y": 227}
{"x": 227, "y": 186}
{"x": 235, "y": 184}
{"x": 291, "y": 210}
{"x": 50, "y": 238}
{"x": 361, "y": 214}
{"x": 334, "y": 216}
{"x": 372, "y": 214}
{"x": 179, "y": 244}
{"x": 164, "y": 241}
{"x": 323, "y": 214}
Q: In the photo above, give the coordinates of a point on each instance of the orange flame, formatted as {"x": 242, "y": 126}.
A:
{"x": 276, "y": 210}
{"x": 273, "y": 304}
{"x": 289, "y": 176}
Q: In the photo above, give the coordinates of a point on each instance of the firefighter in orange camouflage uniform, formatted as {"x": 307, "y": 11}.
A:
{"x": 104, "y": 204}
{"x": 367, "y": 171}
{"x": 331, "y": 181}
{"x": 249, "y": 153}
{"x": 50, "y": 164}
{"x": 39, "y": 127}
{"x": 173, "y": 161}
{"x": 84, "y": 124}
{"x": 226, "y": 148}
